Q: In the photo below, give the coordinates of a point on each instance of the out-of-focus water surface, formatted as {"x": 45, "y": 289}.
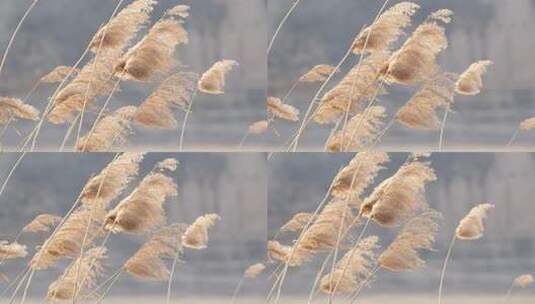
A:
{"x": 320, "y": 32}
{"x": 57, "y": 32}
{"x": 232, "y": 185}
{"x": 298, "y": 183}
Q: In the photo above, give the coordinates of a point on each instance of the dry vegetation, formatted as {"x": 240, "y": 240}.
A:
{"x": 128, "y": 48}
{"x": 351, "y": 107}
{"x": 337, "y": 231}
{"x": 82, "y": 235}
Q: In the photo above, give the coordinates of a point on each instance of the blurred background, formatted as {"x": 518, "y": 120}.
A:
{"x": 232, "y": 185}
{"x": 298, "y": 183}
{"x": 57, "y": 32}
{"x": 320, "y": 32}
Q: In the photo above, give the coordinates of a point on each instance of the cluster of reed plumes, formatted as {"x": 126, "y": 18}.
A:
{"x": 336, "y": 230}
{"x": 352, "y": 104}
{"x": 113, "y": 57}
{"x": 103, "y": 207}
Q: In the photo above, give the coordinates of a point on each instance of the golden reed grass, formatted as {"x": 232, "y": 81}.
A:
{"x": 399, "y": 197}
{"x": 281, "y": 110}
{"x": 318, "y": 73}
{"x": 417, "y": 234}
{"x": 142, "y": 210}
{"x": 213, "y": 80}
{"x": 42, "y": 223}
{"x": 14, "y": 108}
{"x": 176, "y": 91}
{"x": 58, "y": 74}
{"x": 88, "y": 266}
{"x": 147, "y": 263}
{"x": 258, "y": 127}
{"x": 12, "y": 250}
{"x": 196, "y": 236}
{"x": 353, "y": 269}
{"x": 112, "y": 129}
{"x": 297, "y": 222}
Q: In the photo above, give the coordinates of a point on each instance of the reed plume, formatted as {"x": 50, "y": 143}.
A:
{"x": 415, "y": 61}
{"x": 89, "y": 266}
{"x": 470, "y": 82}
{"x": 154, "y": 54}
{"x": 93, "y": 80}
{"x": 523, "y": 280}
{"x": 174, "y": 92}
{"x": 399, "y": 197}
{"x": 254, "y": 270}
{"x": 112, "y": 129}
{"x": 386, "y": 29}
{"x": 359, "y": 85}
{"x": 318, "y": 73}
{"x": 79, "y": 230}
{"x": 112, "y": 180}
{"x": 142, "y": 210}
{"x": 417, "y": 234}
{"x": 278, "y": 252}
{"x": 42, "y": 223}
{"x": 196, "y": 236}
{"x": 527, "y": 124}
{"x": 12, "y": 251}
{"x": 14, "y": 108}
{"x": 120, "y": 30}
{"x": 297, "y": 222}
{"x": 353, "y": 269}
{"x": 258, "y": 127}
{"x": 147, "y": 263}
{"x": 58, "y": 74}
{"x": 471, "y": 226}
{"x": 360, "y": 131}
{"x": 213, "y": 80}
{"x": 280, "y": 110}
{"x": 420, "y": 111}
{"x": 323, "y": 233}
{"x": 168, "y": 164}
{"x": 350, "y": 182}
{"x": 181, "y": 11}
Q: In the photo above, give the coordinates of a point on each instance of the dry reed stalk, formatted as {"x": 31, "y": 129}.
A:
{"x": 14, "y": 108}
{"x": 12, "y": 251}
{"x": 121, "y": 29}
{"x": 360, "y": 131}
{"x": 15, "y": 32}
{"x": 469, "y": 228}
{"x": 154, "y": 54}
{"x": 386, "y": 29}
{"x": 281, "y": 110}
{"x": 470, "y": 82}
{"x": 112, "y": 129}
{"x": 420, "y": 112}
{"x": 399, "y": 197}
{"x": 196, "y": 236}
{"x": 112, "y": 180}
{"x": 359, "y": 85}
{"x": 318, "y": 73}
{"x": 96, "y": 76}
{"x": 213, "y": 80}
{"x": 42, "y": 223}
{"x": 350, "y": 182}
{"x": 89, "y": 265}
{"x": 147, "y": 263}
{"x": 142, "y": 210}
{"x": 78, "y": 230}
{"x": 279, "y": 27}
{"x": 176, "y": 91}
{"x": 352, "y": 269}
{"x": 418, "y": 233}
{"x": 415, "y": 61}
